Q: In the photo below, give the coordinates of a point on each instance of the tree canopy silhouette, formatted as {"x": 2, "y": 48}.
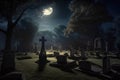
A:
{"x": 87, "y": 17}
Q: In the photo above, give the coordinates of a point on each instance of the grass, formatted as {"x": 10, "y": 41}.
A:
{"x": 99, "y": 61}
{"x": 30, "y": 71}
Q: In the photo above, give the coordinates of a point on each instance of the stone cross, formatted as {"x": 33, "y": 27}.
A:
{"x": 43, "y": 43}
{"x": 42, "y": 55}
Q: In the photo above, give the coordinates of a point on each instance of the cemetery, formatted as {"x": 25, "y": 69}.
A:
{"x": 59, "y": 40}
{"x": 30, "y": 69}
{"x": 60, "y": 65}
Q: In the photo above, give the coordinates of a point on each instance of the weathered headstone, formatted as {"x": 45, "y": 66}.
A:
{"x": 56, "y": 54}
{"x": 88, "y": 46}
{"x": 106, "y": 64}
{"x": 118, "y": 55}
{"x": 92, "y": 53}
{"x": 35, "y": 48}
{"x": 83, "y": 55}
{"x": 72, "y": 52}
{"x": 66, "y": 54}
{"x": 98, "y": 54}
{"x": 51, "y": 49}
{"x": 116, "y": 67}
{"x": 106, "y": 60}
{"x": 97, "y": 44}
{"x": 25, "y": 53}
{"x": 61, "y": 59}
{"x": 10, "y": 66}
{"x": 85, "y": 65}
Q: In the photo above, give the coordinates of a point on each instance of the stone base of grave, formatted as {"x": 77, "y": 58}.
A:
{"x": 42, "y": 62}
{"x": 95, "y": 74}
{"x": 69, "y": 65}
{"x": 95, "y": 70}
{"x": 78, "y": 58}
{"x": 116, "y": 67}
{"x": 12, "y": 76}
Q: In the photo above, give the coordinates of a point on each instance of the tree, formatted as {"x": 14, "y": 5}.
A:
{"x": 110, "y": 37}
{"x": 24, "y": 34}
{"x": 8, "y": 10}
{"x": 87, "y": 17}
{"x": 117, "y": 25}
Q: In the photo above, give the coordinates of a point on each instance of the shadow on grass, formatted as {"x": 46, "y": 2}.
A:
{"x": 63, "y": 67}
{"x": 41, "y": 65}
{"x": 67, "y": 70}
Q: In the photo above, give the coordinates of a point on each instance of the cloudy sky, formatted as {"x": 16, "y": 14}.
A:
{"x": 61, "y": 13}
{"x": 60, "y": 16}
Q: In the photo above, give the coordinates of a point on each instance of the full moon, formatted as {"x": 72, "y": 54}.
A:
{"x": 47, "y": 11}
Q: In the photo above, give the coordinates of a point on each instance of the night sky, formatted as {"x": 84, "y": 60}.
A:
{"x": 61, "y": 13}
{"x": 60, "y": 16}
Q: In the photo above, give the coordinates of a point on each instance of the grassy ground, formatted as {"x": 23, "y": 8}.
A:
{"x": 31, "y": 72}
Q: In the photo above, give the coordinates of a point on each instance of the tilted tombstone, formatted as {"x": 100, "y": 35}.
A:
{"x": 106, "y": 64}
{"x": 56, "y": 54}
{"x": 85, "y": 65}
{"x": 61, "y": 59}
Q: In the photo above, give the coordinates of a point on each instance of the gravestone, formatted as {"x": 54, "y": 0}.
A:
{"x": 26, "y": 53}
{"x": 8, "y": 65}
{"x": 56, "y": 54}
{"x": 92, "y": 53}
{"x": 35, "y": 48}
{"x": 42, "y": 55}
{"x": 83, "y": 55}
{"x": 116, "y": 67}
{"x": 72, "y": 52}
{"x": 12, "y": 76}
{"x": 98, "y": 54}
{"x": 118, "y": 55}
{"x": 66, "y": 54}
{"x": 97, "y": 44}
{"x": 106, "y": 64}
{"x": 88, "y": 48}
{"x": 85, "y": 65}
{"x": 106, "y": 60}
{"x": 61, "y": 59}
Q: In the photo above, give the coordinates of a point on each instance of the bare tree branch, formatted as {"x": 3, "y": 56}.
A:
{"x": 19, "y": 17}
{"x": 1, "y": 30}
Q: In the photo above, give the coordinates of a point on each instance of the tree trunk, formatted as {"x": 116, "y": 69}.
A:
{"x": 8, "y": 62}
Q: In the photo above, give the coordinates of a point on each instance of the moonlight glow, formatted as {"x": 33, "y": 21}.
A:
{"x": 48, "y": 11}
